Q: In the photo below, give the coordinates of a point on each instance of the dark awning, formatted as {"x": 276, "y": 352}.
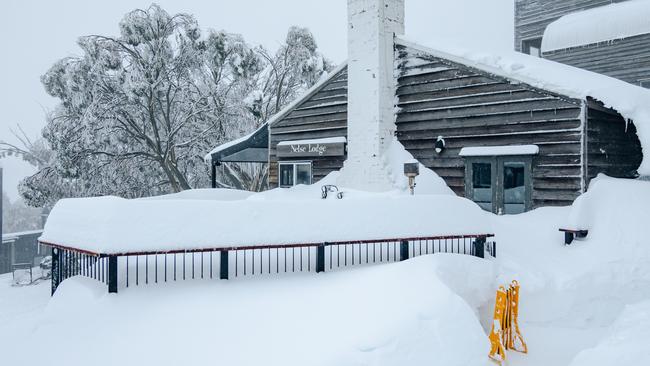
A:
{"x": 252, "y": 148}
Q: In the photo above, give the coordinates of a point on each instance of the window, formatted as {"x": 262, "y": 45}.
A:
{"x": 532, "y": 47}
{"x": 482, "y": 185}
{"x": 514, "y": 188}
{"x": 499, "y": 184}
{"x": 292, "y": 174}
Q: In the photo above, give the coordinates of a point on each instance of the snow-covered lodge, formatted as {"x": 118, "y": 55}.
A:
{"x": 510, "y": 131}
{"x": 611, "y": 37}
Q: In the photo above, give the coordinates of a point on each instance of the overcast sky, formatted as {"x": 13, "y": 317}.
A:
{"x": 34, "y": 34}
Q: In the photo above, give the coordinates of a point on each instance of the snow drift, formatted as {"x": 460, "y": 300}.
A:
{"x": 395, "y": 314}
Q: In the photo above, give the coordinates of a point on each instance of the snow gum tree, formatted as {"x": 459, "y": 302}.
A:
{"x": 138, "y": 111}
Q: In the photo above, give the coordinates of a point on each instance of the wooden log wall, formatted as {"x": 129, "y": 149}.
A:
{"x": 468, "y": 107}
{"x": 627, "y": 59}
{"x": 532, "y": 16}
{"x": 322, "y": 114}
{"x": 613, "y": 147}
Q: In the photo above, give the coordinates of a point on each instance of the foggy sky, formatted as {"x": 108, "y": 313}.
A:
{"x": 35, "y": 34}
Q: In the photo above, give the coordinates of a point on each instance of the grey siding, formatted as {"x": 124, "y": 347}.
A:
{"x": 321, "y": 115}
{"x": 613, "y": 147}
{"x": 532, "y": 16}
{"x": 469, "y": 107}
{"x": 627, "y": 59}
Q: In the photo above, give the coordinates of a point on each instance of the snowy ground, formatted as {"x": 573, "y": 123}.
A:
{"x": 587, "y": 304}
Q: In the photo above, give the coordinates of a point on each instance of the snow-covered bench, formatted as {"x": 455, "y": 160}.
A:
{"x": 571, "y": 234}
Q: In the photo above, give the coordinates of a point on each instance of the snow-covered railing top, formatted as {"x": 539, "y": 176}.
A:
{"x": 605, "y": 23}
{"x": 115, "y": 226}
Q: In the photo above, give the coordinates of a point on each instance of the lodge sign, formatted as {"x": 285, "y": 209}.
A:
{"x": 288, "y": 150}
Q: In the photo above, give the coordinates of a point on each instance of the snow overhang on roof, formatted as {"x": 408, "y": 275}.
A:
{"x": 605, "y": 23}
{"x": 500, "y": 150}
{"x": 631, "y": 101}
{"x": 250, "y": 148}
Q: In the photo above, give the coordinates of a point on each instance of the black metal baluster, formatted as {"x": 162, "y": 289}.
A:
{"x": 165, "y": 267}
{"x": 127, "y": 271}
{"x": 211, "y": 265}
{"x": 146, "y": 269}
{"x": 193, "y": 261}
{"x": 174, "y": 266}
{"x": 137, "y": 270}
{"x": 184, "y": 255}
{"x": 201, "y": 265}
{"x": 300, "y": 259}
{"x": 156, "y": 268}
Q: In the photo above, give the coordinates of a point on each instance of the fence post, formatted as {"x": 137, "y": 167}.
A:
{"x": 55, "y": 271}
{"x": 320, "y": 258}
{"x": 404, "y": 250}
{"x": 112, "y": 274}
{"x": 479, "y": 247}
{"x": 223, "y": 268}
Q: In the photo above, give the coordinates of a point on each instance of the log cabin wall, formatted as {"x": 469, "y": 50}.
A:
{"x": 627, "y": 59}
{"x": 613, "y": 147}
{"x": 532, "y": 16}
{"x": 468, "y": 107}
{"x": 322, "y": 114}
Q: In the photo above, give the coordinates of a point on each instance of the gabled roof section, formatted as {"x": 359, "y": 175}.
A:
{"x": 605, "y": 23}
{"x": 308, "y": 94}
{"x": 631, "y": 101}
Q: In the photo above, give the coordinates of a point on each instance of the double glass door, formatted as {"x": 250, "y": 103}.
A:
{"x": 500, "y": 184}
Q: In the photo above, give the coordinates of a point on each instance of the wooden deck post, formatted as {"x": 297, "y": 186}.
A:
{"x": 55, "y": 271}
{"x": 479, "y": 247}
{"x": 223, "y": 268}
{"x": 320, "y": 258}
{"x": 112, "y": 274}
{"x": 403, "y": 250}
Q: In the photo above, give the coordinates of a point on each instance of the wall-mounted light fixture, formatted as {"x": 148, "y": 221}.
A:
{"x": 440, "y": 145}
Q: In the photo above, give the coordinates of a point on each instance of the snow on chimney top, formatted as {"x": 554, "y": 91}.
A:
{"x": 372, "y": 25}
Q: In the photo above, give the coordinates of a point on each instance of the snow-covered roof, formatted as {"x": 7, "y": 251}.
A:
{"x": 222, "y": 147}
{"x": 327, "y": 140}
{"x": 631, "y": 101}
{"x": 605, "y": 23}
{"x": 499, "y": 150}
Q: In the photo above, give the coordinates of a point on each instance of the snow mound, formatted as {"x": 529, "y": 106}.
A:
{"x": 631, "y": 101}
{"x": 613, "y": 209}
{"x": 216, "y": 194}
{"x": 428, "y": 182}
{"x": 605, "y": 23}
{"x": 113, "y": 225}
{"x": 394, "y": 314}
{"x": 627, "y": 342}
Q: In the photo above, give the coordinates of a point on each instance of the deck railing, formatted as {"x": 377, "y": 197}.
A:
{"x": 125, "y": 270}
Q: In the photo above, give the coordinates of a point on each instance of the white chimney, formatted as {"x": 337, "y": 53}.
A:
{"x": 372, "y": 25}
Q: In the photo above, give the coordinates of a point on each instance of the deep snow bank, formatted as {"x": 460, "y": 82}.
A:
{"x": 594, "y": 277}
{"x": 395, "y": 314}
{"x": 626, "y": 343}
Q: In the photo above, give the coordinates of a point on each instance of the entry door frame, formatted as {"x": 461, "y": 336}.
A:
{"x": 497, "y": 164}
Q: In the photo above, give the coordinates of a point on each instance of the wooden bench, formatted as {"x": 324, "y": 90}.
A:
{"x": 571, "y": 234}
